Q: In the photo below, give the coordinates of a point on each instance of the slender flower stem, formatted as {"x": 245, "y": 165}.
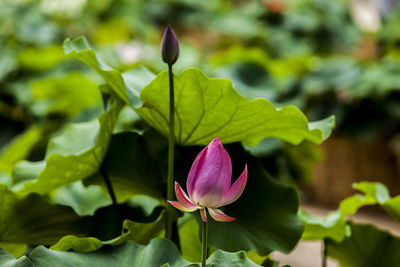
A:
{"x": 171, "y": 143}
{"x": 107, "y": 181}
{"x": 324, "y": 254}
{"x": 204, "y": 240}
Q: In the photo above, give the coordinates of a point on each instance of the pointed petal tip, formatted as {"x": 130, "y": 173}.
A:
{"x": 183, "y": 198}
{"x": 203, "y": 214}
{"x": 179, "y": 206}
{"x": 219, "y": 216}
{"x": 236, "y": 190}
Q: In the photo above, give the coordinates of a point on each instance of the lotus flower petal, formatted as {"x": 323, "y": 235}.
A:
{"x": 183, "y": 198}
{"x": 236, "y": 190}
{"x": 210, "y": 175}
{"x": 179, "y": 206}
{"x": 219, "y": 216}
{"x": 203, "y": 214}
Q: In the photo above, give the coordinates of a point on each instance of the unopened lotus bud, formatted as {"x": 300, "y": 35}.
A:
{"x": 169, "y": 46}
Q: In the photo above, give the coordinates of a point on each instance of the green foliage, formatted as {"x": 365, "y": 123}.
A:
{"x": 130, "y": 164}
{"x": 141, "y": 233}
{"x": 366, "y": 247}
{"x": 381, "y": 195}
{"x": 334, "y": 226}
{"x": 67, "y": 95}
{"x": 126, "y": 86}
{"x": 211, "y": 107}
{"x": 84, "y": 200}
{"x": 9, "y": 261}
{"x": 205, "y": 107}
{"x": 20, "y": 147}
{"x": 75, "y": 154}
{"x": 32, "y": 220}
{"x": 157, "y": 253}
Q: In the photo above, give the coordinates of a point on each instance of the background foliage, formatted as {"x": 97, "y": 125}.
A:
{"x": 264, "y": 76}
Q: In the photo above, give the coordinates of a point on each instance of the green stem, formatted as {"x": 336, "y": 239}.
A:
{"x": 107, "y": 181}
{"x": 324, "y": 254}
{"x": 204, "y": 236}
{"x": 171, "y": 143}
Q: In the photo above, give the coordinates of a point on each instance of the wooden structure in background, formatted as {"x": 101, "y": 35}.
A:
{"x": 346, "y": 161}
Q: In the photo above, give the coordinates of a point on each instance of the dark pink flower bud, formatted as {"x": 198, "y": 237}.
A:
{"x": 169, "y": 46}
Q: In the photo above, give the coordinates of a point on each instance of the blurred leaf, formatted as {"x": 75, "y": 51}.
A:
{"x": 19, "y": 148}
{"x": 69, "y": 94}
{"x": 32, "y": 220}
{"x": 8, "y": 62}
{"x": 71, "y": 156}
{"x": 253, "y": 256}
{"x": 40, "y": 58}
{"x": 189, "y": 238}
{"x": 221, "y": 112}
{"x": 333, "y": 226}
{"x": 303, "y": 158}
{"x": 112, "y": 31}
{"x": 366, "y": 247}
{"x": 381, "y": 195}
{"x": 84, "y": 200}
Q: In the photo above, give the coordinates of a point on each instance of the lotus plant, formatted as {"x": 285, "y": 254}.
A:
{"x": 209, "y": 187}
{"x": 170, "y": 54}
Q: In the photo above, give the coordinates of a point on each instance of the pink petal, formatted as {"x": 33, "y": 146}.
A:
{"x": 203, "y": 214}
{"x": 219, "y": 216}
{"x": 210, "y": 175}
{"x": 183, "y": 198}
{"x": 236, "y": 190}
{"x": 191, "y": 179}
{"x": 179, "y": 206}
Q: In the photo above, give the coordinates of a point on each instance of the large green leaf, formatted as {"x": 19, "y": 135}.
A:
{"x": 157, "y": 253}
{"x": 71, "y": 156}
{"x": 84, "y": 200}
{"x": 32, "y": 220}
{"x": 135, "y": 164}
{"x": 335, "y": 227}
{"x": 139, "y": 232}
{"x": 366, "y": 247}
{"x": 225, "y": 259}
{"x": 207, "y": 107}
{"x": 266, "y": 217}
{"x": 380, "y": 193}
{"x": 7, "y": 260}
{"x": 127, "y": 86}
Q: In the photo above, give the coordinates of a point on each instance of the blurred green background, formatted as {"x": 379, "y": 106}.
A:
{"x": 324, "y": 56}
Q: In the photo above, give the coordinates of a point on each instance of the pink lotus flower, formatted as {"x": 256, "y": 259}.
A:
{"x": 209, "y": 184}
